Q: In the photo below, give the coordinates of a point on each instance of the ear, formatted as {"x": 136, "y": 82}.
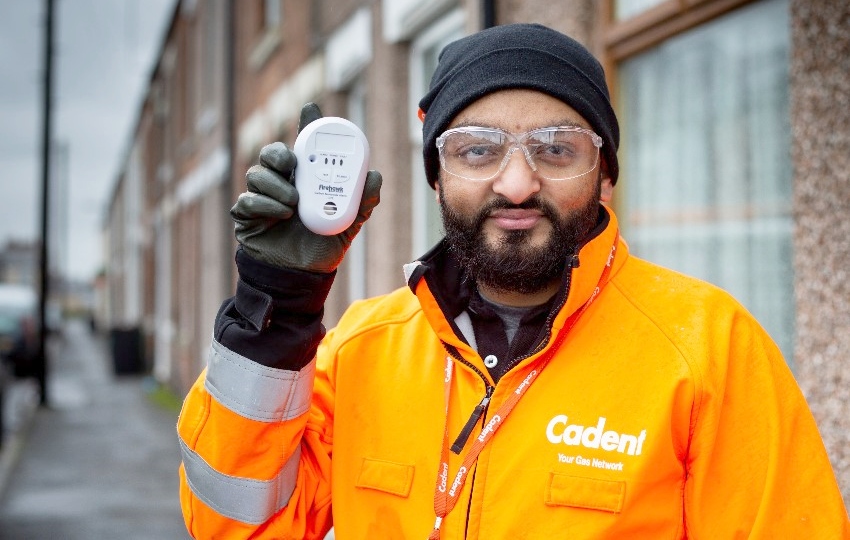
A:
{"x": 607, "y": 191}
{"x": 607, "y": 185}
{"x": 437, "y": 195}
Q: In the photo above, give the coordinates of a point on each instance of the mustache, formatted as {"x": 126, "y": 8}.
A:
{"x": 500, "y": 203}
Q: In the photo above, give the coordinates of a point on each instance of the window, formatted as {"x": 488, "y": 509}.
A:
{"x": 209, "y": 38}
{"x": 705, "y": 158}
{"x": 355, "y": 260}
{"x": 426, "y": 47}
{"x": 269, "y": 20}
{"x": 624, "y": 9}
{"x": 272, "y": 14}
{"x": 348, "y": 52}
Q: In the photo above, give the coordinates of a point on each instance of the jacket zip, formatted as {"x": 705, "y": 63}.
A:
{"x": 477, "y": 412}
{"x": 476, "y": 415}
{"x": 453, "y": 352}
{"x": 480, "y": 410}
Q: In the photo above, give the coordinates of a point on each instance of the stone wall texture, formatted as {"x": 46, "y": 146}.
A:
{"x": 820, "y": 120}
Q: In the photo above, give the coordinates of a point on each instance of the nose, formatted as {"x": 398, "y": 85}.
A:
{"x": 517, "y": 181}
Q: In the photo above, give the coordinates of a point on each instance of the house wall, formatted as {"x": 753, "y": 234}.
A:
{"x": 820, "y": 116}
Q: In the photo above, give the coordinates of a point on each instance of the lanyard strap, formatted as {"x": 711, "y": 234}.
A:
{"x": 446, "y": 496}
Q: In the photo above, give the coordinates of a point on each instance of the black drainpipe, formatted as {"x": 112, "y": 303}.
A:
{"x": 229, "y": 135}
{"x": 488, "y": 13}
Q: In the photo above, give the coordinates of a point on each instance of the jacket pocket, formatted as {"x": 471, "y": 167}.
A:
{"x": 582, "y": 492}
{"x": 386, "y": 476}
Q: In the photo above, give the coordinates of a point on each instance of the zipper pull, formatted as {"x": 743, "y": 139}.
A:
{"x": 479, "y": 409}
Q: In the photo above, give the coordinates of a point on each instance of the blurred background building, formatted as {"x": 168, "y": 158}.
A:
{"x": 735, "y": 157}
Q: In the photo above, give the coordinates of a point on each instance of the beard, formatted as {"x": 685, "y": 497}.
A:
{"x": 512, "y": 265}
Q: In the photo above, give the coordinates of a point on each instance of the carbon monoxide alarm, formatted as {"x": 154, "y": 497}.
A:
{"x": 333, "y": 159}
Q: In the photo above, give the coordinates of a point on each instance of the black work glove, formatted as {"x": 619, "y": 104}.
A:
{"x": 267, "y": 223}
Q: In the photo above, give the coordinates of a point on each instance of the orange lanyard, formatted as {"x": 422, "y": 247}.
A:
{"x": 445, "y": 495}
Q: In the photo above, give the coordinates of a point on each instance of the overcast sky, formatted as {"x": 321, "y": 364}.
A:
{"x": 104, "y": 53}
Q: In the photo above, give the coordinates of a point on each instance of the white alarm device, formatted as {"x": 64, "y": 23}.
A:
{"x": 333, "y": 159}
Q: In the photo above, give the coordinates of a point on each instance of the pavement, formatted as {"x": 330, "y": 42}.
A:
{"x": 99, "y": 461}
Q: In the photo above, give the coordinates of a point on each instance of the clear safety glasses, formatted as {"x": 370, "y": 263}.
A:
{"x": 554, "y": 153}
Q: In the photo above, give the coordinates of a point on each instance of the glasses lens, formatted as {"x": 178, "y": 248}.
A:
{"x": 556, "y": 153}
{"x": 561, "y": 153}
{"x": 474, "y": 154}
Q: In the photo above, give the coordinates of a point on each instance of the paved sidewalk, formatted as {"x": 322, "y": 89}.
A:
{"x": 100, "y": 462}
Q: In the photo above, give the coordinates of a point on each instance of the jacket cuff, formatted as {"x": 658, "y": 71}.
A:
{"x": 275, "y": 318}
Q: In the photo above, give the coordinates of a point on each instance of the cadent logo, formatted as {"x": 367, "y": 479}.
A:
{"x": 444, "y": 477}
{"x": 456, "y": 483}
{"x": 559, "y": 431}
{"x": 490, "y": 427}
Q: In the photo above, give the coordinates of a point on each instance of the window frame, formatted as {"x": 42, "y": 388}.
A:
{"x": 357, "y": 263}
{"x": 619, "y": 41}
{"x": 424, "y": 203}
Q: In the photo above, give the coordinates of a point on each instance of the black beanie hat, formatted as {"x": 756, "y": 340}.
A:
{"x": 517, "y": 56}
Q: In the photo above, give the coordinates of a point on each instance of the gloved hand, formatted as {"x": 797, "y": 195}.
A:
{"x": 267, "y": 224}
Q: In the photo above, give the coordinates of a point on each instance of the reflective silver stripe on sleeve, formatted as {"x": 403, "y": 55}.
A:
{"x": 255, "y": 391}
{"x": 242, "y": 499}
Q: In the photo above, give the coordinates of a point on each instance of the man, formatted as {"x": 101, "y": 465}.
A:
{"x": 533, "y": 380}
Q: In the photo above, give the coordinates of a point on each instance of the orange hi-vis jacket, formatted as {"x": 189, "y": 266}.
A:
{"x": 665, "y": 412}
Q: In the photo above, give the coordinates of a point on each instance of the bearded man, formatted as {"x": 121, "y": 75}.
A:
{"x": 533, "y": 380}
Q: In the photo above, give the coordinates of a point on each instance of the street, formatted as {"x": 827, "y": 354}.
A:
{"x": 99, "y": 462}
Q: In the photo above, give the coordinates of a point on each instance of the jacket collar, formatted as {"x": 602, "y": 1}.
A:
{"x": 444, "y": 290}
